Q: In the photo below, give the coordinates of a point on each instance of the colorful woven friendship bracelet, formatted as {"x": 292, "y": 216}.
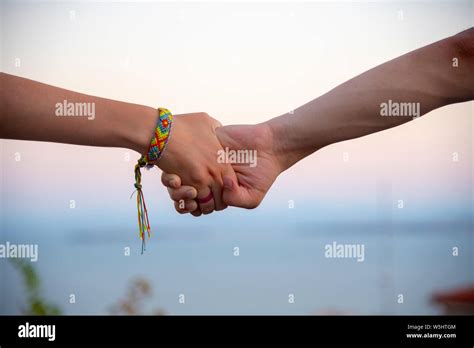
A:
{"x": 154, "y": 153}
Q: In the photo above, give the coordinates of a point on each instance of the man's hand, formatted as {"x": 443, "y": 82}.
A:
{"x": 425, "y": 78}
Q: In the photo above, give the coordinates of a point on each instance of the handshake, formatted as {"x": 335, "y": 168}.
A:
{"x": 208, "y": 167}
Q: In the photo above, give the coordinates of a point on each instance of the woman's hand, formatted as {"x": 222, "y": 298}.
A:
{"x": 191, "y": 152}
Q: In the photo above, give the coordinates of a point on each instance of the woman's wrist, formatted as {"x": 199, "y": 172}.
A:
{"x": 137, "y": 127}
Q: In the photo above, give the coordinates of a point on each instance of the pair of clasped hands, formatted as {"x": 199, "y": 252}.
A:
{"x": 199, "y": 182}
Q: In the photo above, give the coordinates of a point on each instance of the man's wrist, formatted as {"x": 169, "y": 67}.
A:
{"x": 284, "y": 147}
{"x": 298, "y": 136}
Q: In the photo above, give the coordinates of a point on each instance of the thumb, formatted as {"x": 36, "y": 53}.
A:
{"x": 229, "y": 183}
{"x": 230, "y": 193}
{"x": 235, "y": 195}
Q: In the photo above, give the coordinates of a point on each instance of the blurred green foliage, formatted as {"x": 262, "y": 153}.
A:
{"x": 138, "y": 292}
{"x": 36, "y": 304}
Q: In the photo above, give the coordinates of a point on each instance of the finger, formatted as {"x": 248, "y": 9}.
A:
{"x": 239, "y": 196}
{"x": 205, "y": 200}
{"x": 196, "y": 212}
{"x": 186, "y": 206}
{"x": 170, "y": 180}
{"x": 183, "y": 193}
{"x": 227, "y": 172}
{"x": 217, "y": 195}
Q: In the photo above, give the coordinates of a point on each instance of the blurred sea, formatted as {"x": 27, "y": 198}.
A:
{"x": 276, "y": 258}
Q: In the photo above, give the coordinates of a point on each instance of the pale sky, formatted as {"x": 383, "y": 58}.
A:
{"x": 242, "y": 63}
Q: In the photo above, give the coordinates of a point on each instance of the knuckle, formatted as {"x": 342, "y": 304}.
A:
{"x": 201, "y": 116}
{"x": 197, "y": 177}
{"x": 164, "y": 179}
{"x": 179, "y": 210}
{"x": 175, "y": 195}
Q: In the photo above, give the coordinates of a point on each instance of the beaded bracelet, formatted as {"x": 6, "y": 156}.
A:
{"x": 149, "y": 159}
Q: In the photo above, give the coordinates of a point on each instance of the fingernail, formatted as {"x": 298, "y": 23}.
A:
{"x": 228, "y": 183}
{"x": 172, "y": 183}
{"x": 190, "y": 194}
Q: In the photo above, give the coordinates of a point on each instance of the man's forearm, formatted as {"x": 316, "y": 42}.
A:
{"x": 425, "y": 78}
{"x": 31, "y": 110}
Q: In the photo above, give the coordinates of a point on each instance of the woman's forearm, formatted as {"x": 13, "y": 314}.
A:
{"x": 425, "y": 79}
{"x": 30, "y": 110}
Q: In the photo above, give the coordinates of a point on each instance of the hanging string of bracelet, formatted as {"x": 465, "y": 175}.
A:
{"x": 149, "y": 159}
